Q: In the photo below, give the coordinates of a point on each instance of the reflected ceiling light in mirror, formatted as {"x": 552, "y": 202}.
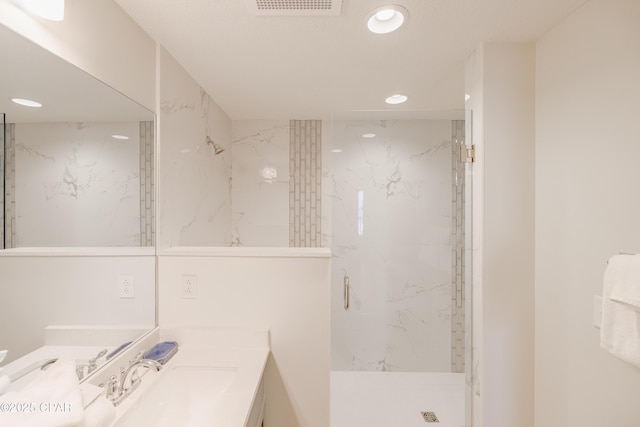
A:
{"x": 26, "y": 102}
{"x": 336, "y": 150}
{"x": 386, "y": 19}
{"x": 119, "y": 137}
{"x": 396, "y": 99}
{"x": 369, "y": 135}
{"x": 53, "y": 10}
{"x": 467, "y": 97}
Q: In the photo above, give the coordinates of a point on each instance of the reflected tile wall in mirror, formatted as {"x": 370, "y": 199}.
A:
{"x": 78, "y": 177}
{"x": 10, "y": 239}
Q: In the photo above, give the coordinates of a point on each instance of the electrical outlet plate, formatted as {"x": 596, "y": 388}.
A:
{"x": 125, "y": 286}
{"x": 189, "y": 286}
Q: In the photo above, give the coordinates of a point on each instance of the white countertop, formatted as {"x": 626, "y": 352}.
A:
{"x": 243, "y": 351}
{"x": 238, "y": 399}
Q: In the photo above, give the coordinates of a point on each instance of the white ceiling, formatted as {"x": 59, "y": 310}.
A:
{"x": 303, "y": 67}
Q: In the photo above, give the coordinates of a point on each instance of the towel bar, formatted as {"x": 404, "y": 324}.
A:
{"x": 623, "y": 253}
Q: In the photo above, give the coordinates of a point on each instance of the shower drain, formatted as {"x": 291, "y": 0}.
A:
{"x": 429, "y": 417}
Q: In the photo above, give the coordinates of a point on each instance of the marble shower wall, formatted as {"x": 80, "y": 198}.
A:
{"x": 391, "y": 198}
{"x": 195, "y": 183}
{"x": 74, "y": 185}
{"x": 260, "y": 190}
{"x": 277, "y": 191}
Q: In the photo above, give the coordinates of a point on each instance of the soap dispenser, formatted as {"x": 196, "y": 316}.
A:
{"x": 4, "y": 378}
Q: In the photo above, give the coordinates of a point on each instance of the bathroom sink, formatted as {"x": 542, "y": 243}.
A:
{"x": 179, "y": 396}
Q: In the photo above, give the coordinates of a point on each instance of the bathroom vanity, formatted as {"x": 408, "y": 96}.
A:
{"x": 215, "y": 379}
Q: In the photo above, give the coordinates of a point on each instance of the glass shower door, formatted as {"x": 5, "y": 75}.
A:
{"x": 398, "y": 245}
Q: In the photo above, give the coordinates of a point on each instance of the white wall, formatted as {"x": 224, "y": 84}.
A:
{"x": 194, "y": 184}
{"x": 500, "y": 81}
{"x": 283, "y": 289}
{"x": 98, "y": 37}
{"x": 73, "y": 289}
{"x": 587, "y": 208}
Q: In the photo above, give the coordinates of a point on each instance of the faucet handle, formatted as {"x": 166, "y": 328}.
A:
{"x": 80, "y": 371}
{"x": 112, "y": 391}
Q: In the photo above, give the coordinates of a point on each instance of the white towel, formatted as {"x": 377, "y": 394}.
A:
{"x": 627, "y": 288}
{"x": 100, "y": 413}
{"x": 620, "y": 328}
{"x": 52, "y": 399}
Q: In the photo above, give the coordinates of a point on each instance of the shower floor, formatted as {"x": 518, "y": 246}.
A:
{"x": 396, "y": 399}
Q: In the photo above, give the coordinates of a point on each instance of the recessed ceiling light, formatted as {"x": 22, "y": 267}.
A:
{"x": 369, "y": 135}
{"x": 26, "y": 102}
{"x": 119, "y": 137}
{"x": 386, "y": 19}
{"x": 336, "y": 150}
{"x": 396, "y": 99}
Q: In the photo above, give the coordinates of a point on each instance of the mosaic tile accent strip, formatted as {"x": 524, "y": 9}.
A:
{"x": 457, "y": 250}
{"x": 305, "y": 184}
{"x": 10, "y": 238}
{"x": 147, "y": 185}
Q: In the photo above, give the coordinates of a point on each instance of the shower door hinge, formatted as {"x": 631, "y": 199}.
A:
{"x": 468, "y": 154}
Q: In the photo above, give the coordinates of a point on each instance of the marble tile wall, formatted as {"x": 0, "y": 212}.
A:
{"x": 277, "y": 183}
{"x": 195, "y": 184}
{"x": 260, "y": 190}
{"x": 305, "y": 185}
{"x": 391, "y": 198}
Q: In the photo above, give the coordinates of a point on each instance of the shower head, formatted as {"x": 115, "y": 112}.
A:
{"x": 216, "y": 148}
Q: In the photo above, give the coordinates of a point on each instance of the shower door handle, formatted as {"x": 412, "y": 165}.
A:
{"x": 346, "y": 292}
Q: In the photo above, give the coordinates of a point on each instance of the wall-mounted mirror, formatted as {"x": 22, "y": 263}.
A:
{"x": 77, "y": 265}
{"x": 79, "y": 169}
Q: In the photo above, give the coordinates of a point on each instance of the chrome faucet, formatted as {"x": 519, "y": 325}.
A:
{"x": 118, "y": 388}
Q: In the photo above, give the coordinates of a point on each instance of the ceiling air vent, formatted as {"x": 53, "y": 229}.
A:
{"x": 294, "y": 7}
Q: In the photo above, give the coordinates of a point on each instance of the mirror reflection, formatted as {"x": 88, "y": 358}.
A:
{"x": 77, "y": 215}
{"x": 78, "y": 168}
